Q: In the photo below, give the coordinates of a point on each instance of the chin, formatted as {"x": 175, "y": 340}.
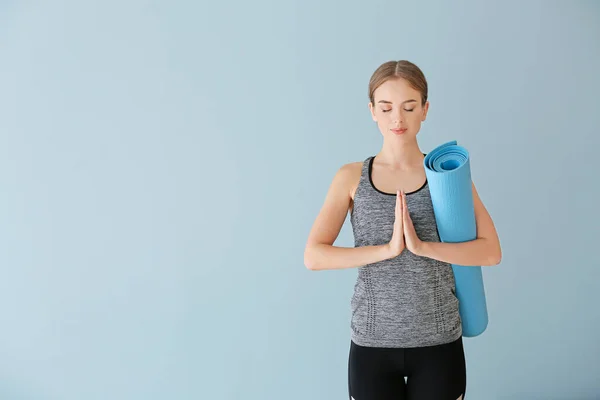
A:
{"x": 405, "y": 135}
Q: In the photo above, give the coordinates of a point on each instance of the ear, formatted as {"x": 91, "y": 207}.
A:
{"x": 372, "y": 110}
{"x": 425, "y": 110}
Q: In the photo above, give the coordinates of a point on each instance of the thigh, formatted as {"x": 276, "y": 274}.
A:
{"x": 374, "y": 374}
{"x": 436, "y": 372}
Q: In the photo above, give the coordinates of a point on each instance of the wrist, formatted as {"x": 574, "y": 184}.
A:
{"x": 388, "y": 251}
{"x": 422, "y": 249}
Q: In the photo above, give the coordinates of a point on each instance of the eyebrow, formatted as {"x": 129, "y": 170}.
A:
{"x": 389, "y": 102}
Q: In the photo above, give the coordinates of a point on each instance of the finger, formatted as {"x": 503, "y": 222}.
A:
{"x": 404, "y": 208}
{"x": 399, "y": 203}
{"x": 406, "y": 219}
{"x": 401, "y": 200}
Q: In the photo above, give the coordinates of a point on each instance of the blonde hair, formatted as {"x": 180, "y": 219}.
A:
{"x": 402, "y": 69}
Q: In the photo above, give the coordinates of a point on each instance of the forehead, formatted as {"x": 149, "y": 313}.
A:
{"x": 396, "y": 90}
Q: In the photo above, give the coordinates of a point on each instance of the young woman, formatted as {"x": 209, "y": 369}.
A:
{"x": 405, "y": 316}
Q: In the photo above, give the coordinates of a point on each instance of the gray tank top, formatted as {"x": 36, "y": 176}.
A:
{"x": 405, "y": 301}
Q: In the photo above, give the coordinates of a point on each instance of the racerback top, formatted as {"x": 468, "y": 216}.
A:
{"x": 408, "y": 300}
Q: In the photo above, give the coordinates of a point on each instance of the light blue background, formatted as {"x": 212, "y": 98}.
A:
{"x": 161, "y": 164}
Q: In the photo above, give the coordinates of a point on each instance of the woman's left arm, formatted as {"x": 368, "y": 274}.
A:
{"x": 485, "y": 250}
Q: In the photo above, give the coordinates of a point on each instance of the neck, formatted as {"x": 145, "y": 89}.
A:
{"x": 401, "y": 155}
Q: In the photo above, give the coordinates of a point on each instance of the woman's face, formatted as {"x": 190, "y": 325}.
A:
{"x": 398, "y": 110}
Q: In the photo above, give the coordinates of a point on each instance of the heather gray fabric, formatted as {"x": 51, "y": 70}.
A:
{"x": 405, "y": 301}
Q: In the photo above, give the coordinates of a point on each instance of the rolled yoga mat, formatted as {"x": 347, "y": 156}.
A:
{"x": 449, "y": 176}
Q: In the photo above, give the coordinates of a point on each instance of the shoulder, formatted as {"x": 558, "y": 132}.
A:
{"x": 351, "y": 169}
{"x": 348, "y": 175}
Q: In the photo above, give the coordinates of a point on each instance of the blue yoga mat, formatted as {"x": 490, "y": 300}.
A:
{"x": 449, "y": 176}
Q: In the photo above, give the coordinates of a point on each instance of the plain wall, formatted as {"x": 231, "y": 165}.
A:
{"x": 161, "y": 164}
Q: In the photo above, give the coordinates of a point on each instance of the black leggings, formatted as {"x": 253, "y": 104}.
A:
{"x": 433, "y": 372}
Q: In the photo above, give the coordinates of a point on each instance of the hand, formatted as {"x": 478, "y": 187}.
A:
{"x": 397, "y": 244}
{"x": 412, "y": 241}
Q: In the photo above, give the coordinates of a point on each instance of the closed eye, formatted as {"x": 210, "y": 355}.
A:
{"x": 412, "y": 109}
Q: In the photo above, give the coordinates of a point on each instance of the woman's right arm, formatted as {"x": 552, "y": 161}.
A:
{"x": 320, "y": 254}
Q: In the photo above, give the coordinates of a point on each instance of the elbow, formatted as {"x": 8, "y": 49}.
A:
{"x": 310, "y": 265}
{"x": 309, "y": 260}
{"x": 494, "y": 260}
{"x": 495, "y": 257}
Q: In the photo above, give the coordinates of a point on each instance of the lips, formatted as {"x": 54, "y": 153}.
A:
{"x": 399, "y": 131}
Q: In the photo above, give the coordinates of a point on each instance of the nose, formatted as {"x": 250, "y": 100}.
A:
{"x": 397, "y": 117}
